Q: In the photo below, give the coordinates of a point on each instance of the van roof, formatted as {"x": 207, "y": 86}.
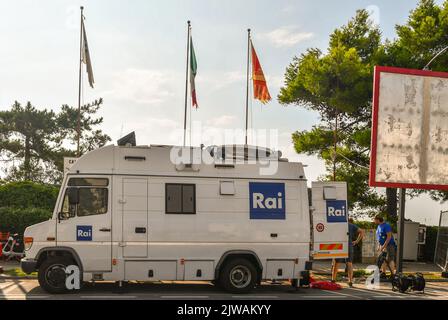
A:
{"x": 166, "y": 160}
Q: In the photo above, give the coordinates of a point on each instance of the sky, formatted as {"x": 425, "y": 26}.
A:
{"x": 138, "y": 50}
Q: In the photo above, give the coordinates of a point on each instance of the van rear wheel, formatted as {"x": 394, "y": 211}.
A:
{"x": 238, "y": 276}
{"x": 52, "y": 274}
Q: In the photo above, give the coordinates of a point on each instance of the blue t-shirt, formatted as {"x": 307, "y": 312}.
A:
{"x": 381, "y": 234}
{"x": 352, "y": 233}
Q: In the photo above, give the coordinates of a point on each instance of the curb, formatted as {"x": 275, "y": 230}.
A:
{"x": 326, "y": 276}
{"x": 6, "y": 277}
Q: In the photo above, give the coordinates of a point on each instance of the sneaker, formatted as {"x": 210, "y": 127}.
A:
{"x": 350, "y": 284}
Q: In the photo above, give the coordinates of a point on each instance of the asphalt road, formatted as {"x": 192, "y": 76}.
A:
{"x": 30, "y": 290}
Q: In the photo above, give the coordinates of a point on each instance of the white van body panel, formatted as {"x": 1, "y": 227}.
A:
{"x": 146, "y": 243}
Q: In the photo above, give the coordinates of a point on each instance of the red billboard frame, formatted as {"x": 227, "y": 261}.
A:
{"x": 373, "y": 150}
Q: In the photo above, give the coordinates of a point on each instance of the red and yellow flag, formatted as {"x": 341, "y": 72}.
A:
{"x": 261, "y": 91}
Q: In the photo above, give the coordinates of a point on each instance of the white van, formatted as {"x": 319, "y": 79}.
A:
{"x": 131, "y": 214}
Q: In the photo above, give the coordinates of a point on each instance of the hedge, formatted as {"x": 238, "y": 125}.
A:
{"x": 28, "y": 195}
{"x": 16, "y": 220}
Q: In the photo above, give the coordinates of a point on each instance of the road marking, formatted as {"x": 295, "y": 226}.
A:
{"x": 184, "y": 297}
{"x": 370, "y": 291}
{"x": 346, "y": 295}
{"x": 255, "y": 297}
{"x": 7, "y": 285}
{"x": 10, "y": 288}
{"x": 322, "y": 296}
{"x": 108, "y": 297}
{"x": 23, "y": 296}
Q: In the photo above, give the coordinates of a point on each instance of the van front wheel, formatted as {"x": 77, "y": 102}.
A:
{"x": 52, "y": 275}
{"x": 238, "y": 276}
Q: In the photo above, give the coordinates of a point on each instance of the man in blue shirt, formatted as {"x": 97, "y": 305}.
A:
{"x": 355, "y": 235}
{"x": 386, "y": 242}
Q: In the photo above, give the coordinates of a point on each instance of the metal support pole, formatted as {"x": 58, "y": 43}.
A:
{"x": 438, "y": 238}
{"x": 401, "y": 218}
{"x": 78, "y": 129}
{"x": 186, "y": 81}
{"x": 247, "y": 85}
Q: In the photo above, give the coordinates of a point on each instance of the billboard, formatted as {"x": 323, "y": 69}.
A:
{"x": 409, "y": 129}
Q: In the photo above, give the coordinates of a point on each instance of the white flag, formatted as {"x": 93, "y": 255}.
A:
{"x": 86, "y": 55}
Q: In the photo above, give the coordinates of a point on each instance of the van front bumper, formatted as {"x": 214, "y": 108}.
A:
{"x": 28, "y": 266}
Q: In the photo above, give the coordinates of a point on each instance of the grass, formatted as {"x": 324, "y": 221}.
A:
{"x": 17, "y": 272}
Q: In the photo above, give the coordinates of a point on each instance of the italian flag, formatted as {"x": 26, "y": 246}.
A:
{"x": 193, "y": 72}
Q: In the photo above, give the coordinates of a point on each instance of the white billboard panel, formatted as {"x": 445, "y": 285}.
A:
{"x": 410, "y": 129}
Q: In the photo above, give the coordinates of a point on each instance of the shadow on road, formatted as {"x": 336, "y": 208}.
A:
{"x": 167, "y": 288}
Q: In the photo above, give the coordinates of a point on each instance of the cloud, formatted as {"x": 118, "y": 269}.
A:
{"x": 143, "y": 86}
{"x": 286, "y": 36}
{"x": 222, "y": 121}
{"x": 157, "y": 131}
{"x": 288, "y": 9}
{"x": 217, "y": 81}
{"x": 275, "y": 81}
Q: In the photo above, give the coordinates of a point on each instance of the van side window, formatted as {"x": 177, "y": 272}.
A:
{"x": 68, "y": 209}
{"x": 92, "y": 201}
{"x": 180, "y": 198}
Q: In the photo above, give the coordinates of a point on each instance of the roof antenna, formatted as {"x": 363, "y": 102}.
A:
{"x": 121, "y": 131}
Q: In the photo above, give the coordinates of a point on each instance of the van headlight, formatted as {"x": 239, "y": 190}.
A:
{"x": 28, "y": 243}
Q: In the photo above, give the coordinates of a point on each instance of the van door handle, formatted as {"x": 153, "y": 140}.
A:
{"x": 140, "y": 230}
{"x": 105, "y": 230}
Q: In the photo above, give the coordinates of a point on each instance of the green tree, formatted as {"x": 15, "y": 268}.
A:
{"x": 36, "y": 141}
{"x": 29, "y": 135}
{"x": 91, "y": 137}
{"x": 338, "y": 84}
{"x": 423, "y": 36}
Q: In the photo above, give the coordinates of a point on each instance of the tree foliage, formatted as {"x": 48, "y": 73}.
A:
{"x": 28, "y": 195}
{"x": 16, "y": 220}
{"x": 35, "y": 141}
{"x": 338, "y": 83}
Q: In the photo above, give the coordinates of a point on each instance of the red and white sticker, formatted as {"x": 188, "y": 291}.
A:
{"x": 320, "y": 227}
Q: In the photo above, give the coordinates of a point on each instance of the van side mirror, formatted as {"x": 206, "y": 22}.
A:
{"x": 73, "y": 196}
{"x": 62, "y": 216}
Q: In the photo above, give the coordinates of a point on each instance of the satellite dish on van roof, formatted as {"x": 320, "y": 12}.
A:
{"x": 127, "y": 141}
{"x": 243, "y": 152}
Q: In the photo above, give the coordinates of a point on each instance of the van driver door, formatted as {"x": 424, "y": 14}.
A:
{"x": 84, "y": 221}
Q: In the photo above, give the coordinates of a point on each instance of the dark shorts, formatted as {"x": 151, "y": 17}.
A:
{"x": 351, "y": 253}
{"x": 391, "y": 253}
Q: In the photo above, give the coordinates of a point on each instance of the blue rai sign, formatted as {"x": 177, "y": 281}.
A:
{"x": 83, "y": 233}
{"x": 336, "y": 211}
{"x": 267, "y": 201}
